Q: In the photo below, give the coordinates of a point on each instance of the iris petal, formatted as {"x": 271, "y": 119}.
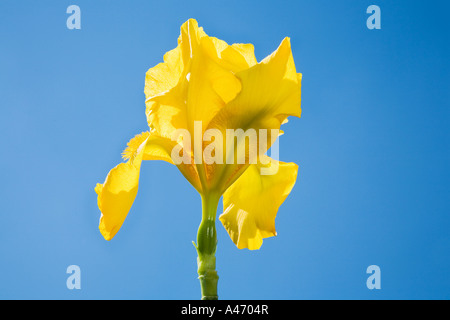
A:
{"x": 271, "y": 91}
{"x": 251, "y": 203}
{"x": 116, "y": 195}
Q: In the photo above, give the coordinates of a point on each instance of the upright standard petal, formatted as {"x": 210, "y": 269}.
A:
{"x": 271, "y": 91}
{"x": 206, "y": 82}
{"x": 251, "y": 203}
{"x": 192, "y": 84}
{"x": 164, "y": 76}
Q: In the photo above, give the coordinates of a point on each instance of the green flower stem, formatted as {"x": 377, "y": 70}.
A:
{"x": 206, "y": 247}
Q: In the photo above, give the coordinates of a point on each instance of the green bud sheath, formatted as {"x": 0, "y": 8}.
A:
{"x": 206, "y": 247}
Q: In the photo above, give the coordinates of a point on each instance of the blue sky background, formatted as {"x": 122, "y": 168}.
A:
{"x": 372, "y": 146}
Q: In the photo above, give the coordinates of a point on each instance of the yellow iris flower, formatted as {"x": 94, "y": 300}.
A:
{"x": 206, "y": 87}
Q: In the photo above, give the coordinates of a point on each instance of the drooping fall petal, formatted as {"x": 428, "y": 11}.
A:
{"x": 116, "y": 195}
{"x": 251, "y": 203}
